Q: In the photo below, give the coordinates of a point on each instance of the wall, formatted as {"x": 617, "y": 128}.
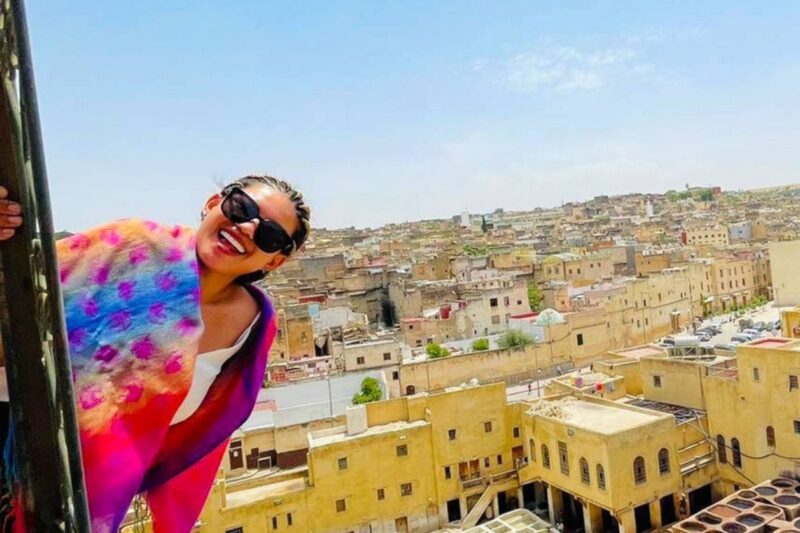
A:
{"x": 784, "y": 258}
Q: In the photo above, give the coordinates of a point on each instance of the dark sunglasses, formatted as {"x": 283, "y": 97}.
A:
{"x": 238, "y": 207}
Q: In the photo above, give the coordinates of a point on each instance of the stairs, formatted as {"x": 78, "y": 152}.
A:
{"x": 480, "y": 507}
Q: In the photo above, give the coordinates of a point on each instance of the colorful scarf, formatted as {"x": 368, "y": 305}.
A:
{"x": 132, "y": 303}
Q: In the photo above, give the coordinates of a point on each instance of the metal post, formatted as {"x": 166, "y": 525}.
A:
{"x": 46, "y": 443}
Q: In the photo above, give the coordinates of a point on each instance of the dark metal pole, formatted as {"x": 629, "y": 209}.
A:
{"x": 46, "y": 442}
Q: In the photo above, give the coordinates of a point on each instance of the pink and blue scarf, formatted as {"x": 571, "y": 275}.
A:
{"x": 132, "y": 303}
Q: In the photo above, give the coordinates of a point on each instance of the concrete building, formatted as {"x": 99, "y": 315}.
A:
{"x": 784, "y": 258}
{"x": 706, "y": 236}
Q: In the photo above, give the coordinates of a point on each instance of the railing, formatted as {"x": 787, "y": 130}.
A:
{"x": 45, "y": 437}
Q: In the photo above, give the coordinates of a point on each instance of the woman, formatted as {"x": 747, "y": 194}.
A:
{"x": 169, "y": 343}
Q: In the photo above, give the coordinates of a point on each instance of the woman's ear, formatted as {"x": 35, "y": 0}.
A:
{"x": 276, "y": 261}
{"x": 213, "y": 201}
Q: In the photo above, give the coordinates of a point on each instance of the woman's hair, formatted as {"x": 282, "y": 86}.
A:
{"x": 302, "y": 211}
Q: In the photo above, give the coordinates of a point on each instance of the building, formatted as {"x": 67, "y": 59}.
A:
{"x": 784, "y": 258}
{"x": 706, "y": 236}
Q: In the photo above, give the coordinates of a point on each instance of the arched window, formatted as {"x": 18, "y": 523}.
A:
{"x": 410, "y": 390}
{"x": 532, "y": 448}
{"x": 722, "y": 452}
{"x": 663, "y": 461}
{"x": 601, "y": 477}
{"x": 737, "y": 452}
{"x": 545, "y": 456}
{"x": 639, "y": 472}
{"x": 770, "y": 436}
{"x": 584, "y": 466}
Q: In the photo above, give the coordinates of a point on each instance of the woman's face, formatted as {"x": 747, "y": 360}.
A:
{"x": 218, "y": 254}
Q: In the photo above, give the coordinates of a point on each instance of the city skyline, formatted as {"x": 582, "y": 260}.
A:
{"x": 389, "y": 113}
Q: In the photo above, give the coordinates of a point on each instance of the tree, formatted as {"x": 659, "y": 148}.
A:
{"x": 706, "y": 195}
{"x": 484, "y": 225}
{"x": 480, "y": 345}
{"x": 535, "y": 297}
{"x": 370, "y": 392}
{"x": 436, "y": 351}
{"x": 514, "y": 338}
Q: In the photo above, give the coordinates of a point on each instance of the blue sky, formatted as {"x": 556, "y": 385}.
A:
{"x": 389, "y": 111}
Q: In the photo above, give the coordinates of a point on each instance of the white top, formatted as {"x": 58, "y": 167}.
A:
{"x": 206, "y": 368}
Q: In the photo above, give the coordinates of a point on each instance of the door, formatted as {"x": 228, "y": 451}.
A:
{"x": 642, "y": 515}
{"x": 401, "y": 525}
{"x": 453, "y": 510}
{"x": 235, "y": 456}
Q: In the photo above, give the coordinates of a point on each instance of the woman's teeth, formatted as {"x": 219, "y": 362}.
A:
{"x": 233, "y": 242}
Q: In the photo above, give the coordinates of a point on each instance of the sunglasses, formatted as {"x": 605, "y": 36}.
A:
{"x": 239, "y": 207}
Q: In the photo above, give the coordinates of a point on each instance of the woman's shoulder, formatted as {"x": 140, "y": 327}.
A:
{"x": 123, "y": 233}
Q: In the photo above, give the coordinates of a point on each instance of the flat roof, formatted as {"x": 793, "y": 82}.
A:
{"x": 325, "y": 437}
{"x": 641, "y": 351}
{"x": 262, "y": 492}
{"x": 603, "y": 418}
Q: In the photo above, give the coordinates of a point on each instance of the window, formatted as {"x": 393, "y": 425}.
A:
{"x": 451, "y": 434}
{"x": 387, "y": 356}
{"x": 406, "y": 490}
{"x": 545, "y": 456}
{"x": 419, "y": 343}
{"x": 402, "y": 450}
{"x": 516, "y": 432}
{"x": 359, "y": 360}
{"x": 584, "y": 466}
{"x": 797, "y": 426}
{"x": 663, "y": 461}
{"x": 274, "y": 522}
{"x": 447, "y": 473}
{"x": 235, "y": 530}
{"x": 486, "y": 463}
{"x": 737, "y": 453}
{"x": 506, "y": 301}
{"x": 495, "y": 319}
{"x": 381, "y": 494}
{"x": 493, "y": 302}
{"x": 657, "y": 382}
{"x": 563, "y": 458}
{"x": 343, "y": 463}
{"x": 487, "y": 427}
{"x": 395, "y": 375}
{"x": 288, "y": 519}
{"x": 601, "y": 477}
{"x": 792, "y": 382}
{"x": 580, "y": 339}
{"x": 770, "y": 436}
{"x": 756, "y": 375}
{"x": 722, "y": 452}
{"x": 639, "y": 472}
{"x": 519, "y": 302}
{"x": 500, "y": 459}
{"x": 341, "y": 506}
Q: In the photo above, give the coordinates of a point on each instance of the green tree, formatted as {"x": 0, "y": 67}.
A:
{"x": 706, "y": 195}
{"x": 370, "y": 392}
{"x": 436, "y": 351}
{"x": 480, "y": 345}
{"x": 535, "y": 297}
{"x": 484, "y": 225}
{"x": 514, "y": 338}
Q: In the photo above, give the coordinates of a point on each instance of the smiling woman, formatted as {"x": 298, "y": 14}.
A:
{"x": 168, "y": 343}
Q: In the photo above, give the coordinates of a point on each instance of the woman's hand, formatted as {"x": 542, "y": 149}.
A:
{"x": 9, "y": 216}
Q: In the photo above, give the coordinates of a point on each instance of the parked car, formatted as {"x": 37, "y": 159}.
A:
{"x": 667, "y": 341}
{"x": 704, "y": 334}
{"x": 739, "y": 338}
{"x": 756, "y": 334}
{"x": 778, "y": 324}
{"x": 770, "y": 326}
{"x": 760, "y": 326}
{"x": 728, "y": 346}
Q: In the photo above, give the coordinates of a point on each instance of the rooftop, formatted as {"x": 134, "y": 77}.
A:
{"x": 339, "y": 434}
{"x": 597, "y": 417}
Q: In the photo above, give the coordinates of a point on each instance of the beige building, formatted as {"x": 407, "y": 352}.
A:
{"x": 363, "y": 355}
{"x": 709, "y": 236}
{"x": 784, "y": 258}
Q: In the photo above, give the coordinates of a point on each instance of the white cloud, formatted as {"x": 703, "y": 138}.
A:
{"x": 565, "y": 68}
